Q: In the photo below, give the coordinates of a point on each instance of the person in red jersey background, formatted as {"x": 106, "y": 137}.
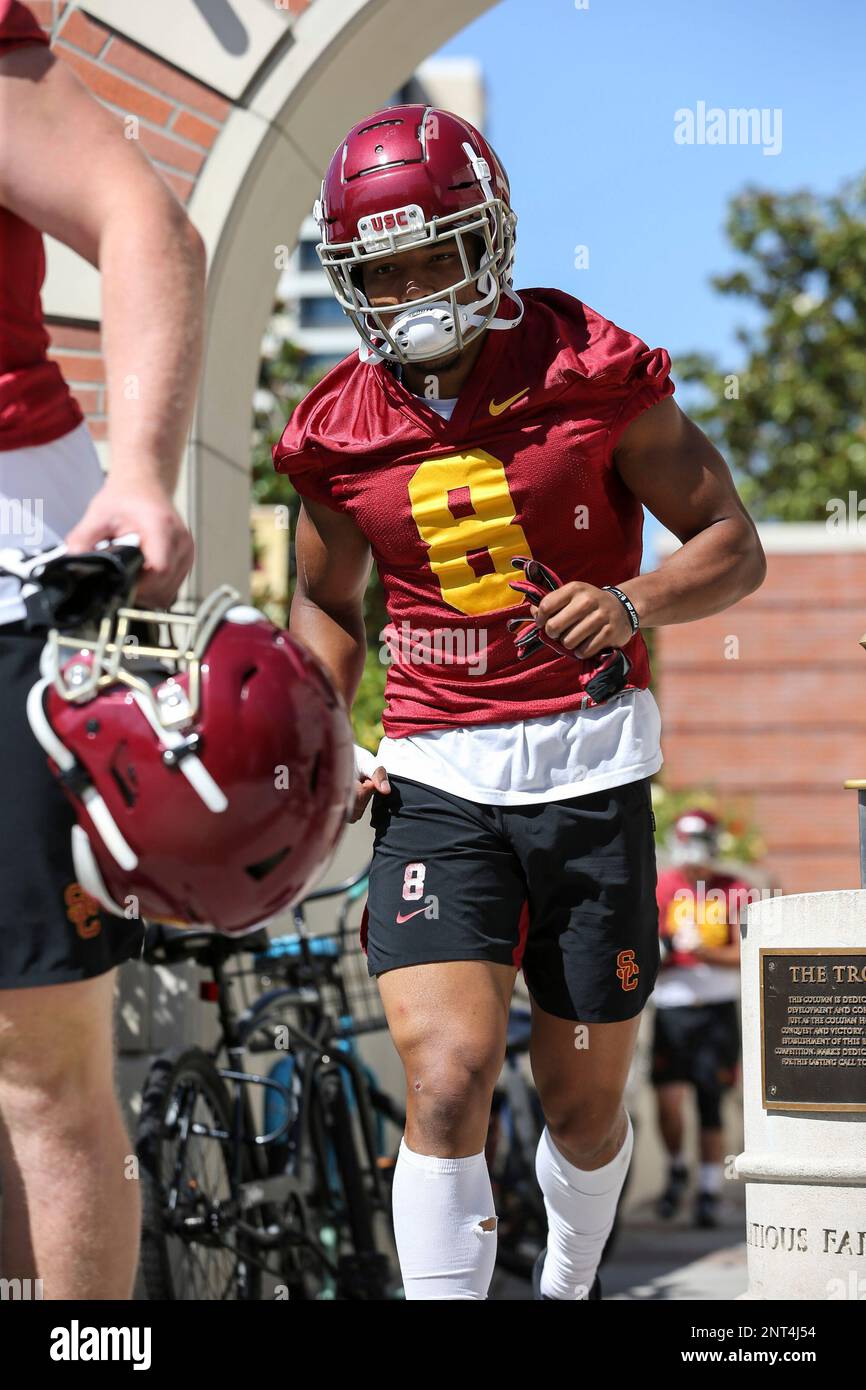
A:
{"x": 491, "y": 451}
{"x": 696, "y": 1039}
{"x": 71, "y": 1217}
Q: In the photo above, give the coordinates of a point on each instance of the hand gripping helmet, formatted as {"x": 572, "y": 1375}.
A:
{"x": 411, "y": 176}
{"x": 210, "y": 775}
{"x": 696, "y": 837}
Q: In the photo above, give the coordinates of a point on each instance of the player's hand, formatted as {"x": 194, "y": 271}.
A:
{"x": 364, "y": 789}
{"x": 146, "y": 509}
{"x": 583, "y": 618}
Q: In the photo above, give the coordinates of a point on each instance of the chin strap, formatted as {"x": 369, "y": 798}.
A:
{"x": 470, "y": 315}
{"x": 475, "y": 319}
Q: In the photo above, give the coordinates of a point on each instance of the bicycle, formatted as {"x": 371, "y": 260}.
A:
{"x": 306, "y": 1200}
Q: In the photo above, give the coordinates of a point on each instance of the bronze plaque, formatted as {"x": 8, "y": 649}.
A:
{"x": 813, "y": 1029}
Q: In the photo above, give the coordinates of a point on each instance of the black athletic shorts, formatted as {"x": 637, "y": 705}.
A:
{"x": 698, "y": 1043}
{"x": 567, "y": 889}
{"x": 51, "y": 931}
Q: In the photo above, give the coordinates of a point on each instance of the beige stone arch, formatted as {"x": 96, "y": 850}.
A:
{"x": 252, "y": 197}
{"x": 240, "y": 105}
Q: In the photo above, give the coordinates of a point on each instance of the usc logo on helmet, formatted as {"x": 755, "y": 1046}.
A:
{"x": 627, "y": 970}
{"x": 82, "y": 911}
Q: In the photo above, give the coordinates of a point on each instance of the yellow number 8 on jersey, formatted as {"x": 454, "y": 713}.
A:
{"x": 491, "y": 526}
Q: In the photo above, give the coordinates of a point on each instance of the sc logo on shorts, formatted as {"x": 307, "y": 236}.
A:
{"x": 82, "y": 911}
{"x": 627, "y": 970}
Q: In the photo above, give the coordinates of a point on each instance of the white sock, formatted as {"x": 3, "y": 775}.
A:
{"x": 439, "y": 1204}
{"x": 581, "y": 1207}
{"x": 710, "y": 1178}
{"x": 677, "y": 1161}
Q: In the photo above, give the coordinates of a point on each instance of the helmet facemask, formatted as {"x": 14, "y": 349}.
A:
{"x": 436, "y": 325}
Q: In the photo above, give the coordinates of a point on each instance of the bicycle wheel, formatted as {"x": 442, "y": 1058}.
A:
{"x": 189, "y": 1248}
{"x": 364, "y": 1270}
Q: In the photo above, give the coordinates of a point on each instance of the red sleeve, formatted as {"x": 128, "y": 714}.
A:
{"x": 18, "y": 27}
{"x": 305, "y": 466}
{"x": 640, "y": 378}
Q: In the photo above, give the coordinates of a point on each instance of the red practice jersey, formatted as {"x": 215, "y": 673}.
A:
{"x": 35, "y": 402}
{"x": 714, "y": 906}
{"x": 523, "y": 467}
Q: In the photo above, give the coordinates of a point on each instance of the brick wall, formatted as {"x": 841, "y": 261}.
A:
{"x": 781, "y": 720}
{"x": 178, "y": 121}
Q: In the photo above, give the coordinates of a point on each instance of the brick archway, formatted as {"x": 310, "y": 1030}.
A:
{"x": 239, "y": 104}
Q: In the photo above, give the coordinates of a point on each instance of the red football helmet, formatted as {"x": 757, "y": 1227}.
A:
{"x": 411, "y": 176}
{"x": 696, "y": 837}
{"x": 211, "y": 775}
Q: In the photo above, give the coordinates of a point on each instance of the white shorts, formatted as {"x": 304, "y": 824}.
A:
{"x": 44, "y": 490}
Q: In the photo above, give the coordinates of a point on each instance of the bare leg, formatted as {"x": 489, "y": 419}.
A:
{"x": 71, "y": 1204}
{"x": 669, "y": 1101}
{"x": 711, "y": 1145}
{"x": 448, "y": 1020}
{"x": 585, "y": 1150}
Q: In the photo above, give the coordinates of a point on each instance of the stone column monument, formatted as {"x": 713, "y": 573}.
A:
{"x": 804, "y": 1087}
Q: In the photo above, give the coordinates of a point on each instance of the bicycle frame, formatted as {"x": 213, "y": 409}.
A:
{"x": 330, "y": 1072}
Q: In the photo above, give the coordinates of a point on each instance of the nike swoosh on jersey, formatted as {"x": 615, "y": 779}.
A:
{"x": 498, "y": 409}
{"x": 401, "y": 918}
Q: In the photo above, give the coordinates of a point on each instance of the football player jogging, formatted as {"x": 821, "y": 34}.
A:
{"x": 696, "y": 1038}
{"x": 71, "y": 1217}
{"x": 492, "y": 451}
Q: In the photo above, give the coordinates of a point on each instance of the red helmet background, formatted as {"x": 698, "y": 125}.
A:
{"x": 271, "y": 738}
{"x": 697, "y": 822}
{"x": 405, "y": 154}
{"x": 413, "y": 176}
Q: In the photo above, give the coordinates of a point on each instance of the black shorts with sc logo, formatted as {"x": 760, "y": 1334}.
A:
{"x": 565, "y": 889}
{"x": 51, "y": 931}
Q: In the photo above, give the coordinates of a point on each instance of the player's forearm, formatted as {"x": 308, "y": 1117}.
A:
{"x": 712, "y": 571}
{"x": 153, "y": 268}
{"x": 339, "y": 640}
{"x": 720, "y": 955}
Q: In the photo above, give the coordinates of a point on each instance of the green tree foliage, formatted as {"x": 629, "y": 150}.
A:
{"x": 739, "y": 839}
{"x": 794, "y": 435}
{"x": 284, "y": 380}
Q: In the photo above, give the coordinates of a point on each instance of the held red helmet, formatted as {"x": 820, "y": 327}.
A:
{"x": 211, "y": 776}
{"x": 411, "y": 176}
{"x": 696, "y": 837}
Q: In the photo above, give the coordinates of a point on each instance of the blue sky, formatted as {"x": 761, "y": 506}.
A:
{"x": 581, "y": 110}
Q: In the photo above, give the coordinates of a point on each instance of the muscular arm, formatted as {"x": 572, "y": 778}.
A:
{"x": 671, "y": 466}
{"x": 67, "y": 169}
{"x": 333, "y": 561}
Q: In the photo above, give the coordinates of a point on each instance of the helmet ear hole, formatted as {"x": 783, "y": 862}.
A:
{"x": 314, "y": 775}
{"x": 264, "y": 867}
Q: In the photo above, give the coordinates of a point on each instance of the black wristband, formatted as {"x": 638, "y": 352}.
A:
{"x": 627, "y": 605}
